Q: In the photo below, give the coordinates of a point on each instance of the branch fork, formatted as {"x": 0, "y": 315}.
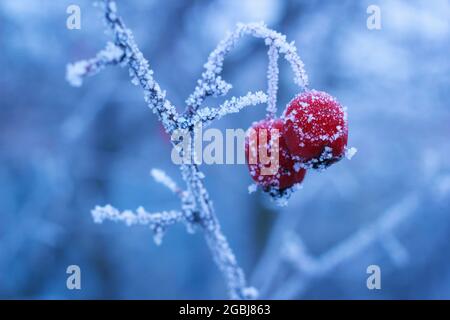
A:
{"x": 197, "y": 210}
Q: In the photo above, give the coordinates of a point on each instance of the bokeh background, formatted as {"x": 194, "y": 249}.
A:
{"x": 64, "y": 150}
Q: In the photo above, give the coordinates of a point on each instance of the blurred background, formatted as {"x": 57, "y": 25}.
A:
{"x": 64, "y": 150}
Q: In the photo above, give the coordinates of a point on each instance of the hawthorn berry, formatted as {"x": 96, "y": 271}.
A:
{"x": 269, "y": 161}
{"x": 315, "y": 129}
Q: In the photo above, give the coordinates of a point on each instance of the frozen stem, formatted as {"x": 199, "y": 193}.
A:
{"x": 197, "y": 211}
{"x": 158, "y": 222}
{"x": 111, "y": 55}
{"x": 161, "y": 177}
{"x": 234, "y": 105}
{"x": 211, "y": 82}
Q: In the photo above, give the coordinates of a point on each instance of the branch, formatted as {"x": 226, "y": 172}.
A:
{"x": 139, "y": 69}
{"x": 111, "y": 55}
{"x": 211, "y": 83}
{"x": 309, "y": 267}
{"x": 187, "y": 202}
{"x": 215, "y": 87}
{"x": 158, "y": 222}
{"x": 272, "y": 81}
{"x": 217, "y": 242}
{"x": 197, "y": 208}
{"x": 161, "y": 177}
{"x": 234, "y": 105}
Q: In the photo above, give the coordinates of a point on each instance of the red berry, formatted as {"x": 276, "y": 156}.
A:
{"x": 315, "y": 129}
{"x": 270, "y": 164}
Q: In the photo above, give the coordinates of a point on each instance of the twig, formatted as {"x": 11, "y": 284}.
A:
{"x": 197, "y": 209}
{"x": 308, "y": 267}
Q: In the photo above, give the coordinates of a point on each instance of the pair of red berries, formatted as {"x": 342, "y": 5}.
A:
{"x": 312, "y": 133}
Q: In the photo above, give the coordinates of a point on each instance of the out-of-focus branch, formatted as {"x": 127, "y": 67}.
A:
{"x": 126, "y": 51}
{"x": 272, "y": 80}
{"x": 234, "y": 105}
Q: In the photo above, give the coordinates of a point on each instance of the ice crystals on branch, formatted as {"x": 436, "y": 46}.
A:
{"x": 350, "y": 153}
{"x": 161, "y": 177}
{"x": 158, "y": 222}
{"x": 75, "y": 72}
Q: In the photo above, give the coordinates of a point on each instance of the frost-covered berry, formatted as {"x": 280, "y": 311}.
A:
{"x": 269, "y": 161}
{"x": 315, "y": 129}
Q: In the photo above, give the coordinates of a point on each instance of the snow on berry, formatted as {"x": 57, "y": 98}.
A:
{"x": 315, "y": 129}
{"x": 269, "y": 161}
